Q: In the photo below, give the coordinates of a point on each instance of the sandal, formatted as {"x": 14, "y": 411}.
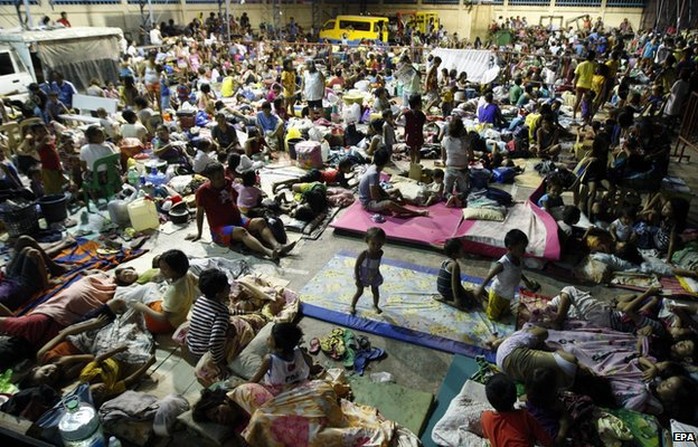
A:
{"x": 314, "y": 346}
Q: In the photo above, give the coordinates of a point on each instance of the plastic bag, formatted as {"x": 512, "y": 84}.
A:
{"x": 352, "y": 114}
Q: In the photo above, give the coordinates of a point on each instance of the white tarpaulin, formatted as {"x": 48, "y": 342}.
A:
{"x": 478, "y": 64}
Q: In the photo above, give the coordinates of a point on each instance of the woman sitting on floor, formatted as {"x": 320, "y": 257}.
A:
{"x": 164, "y": 316}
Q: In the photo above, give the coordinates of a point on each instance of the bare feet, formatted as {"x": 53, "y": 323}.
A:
{"x": 378, "y": 310}
{"x": 424, "y": 213}
{"x": 286, "y": 249}
{"x": 352, "y": 310}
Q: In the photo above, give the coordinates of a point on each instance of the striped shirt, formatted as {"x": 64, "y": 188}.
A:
{"x": 208, "y": 329}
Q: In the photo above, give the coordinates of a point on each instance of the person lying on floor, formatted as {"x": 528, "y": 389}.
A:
{"x": 66, "y": 307}
{"x": 215, "y": 199}
{"x": 30, "y": 271}
{"x": 107, "y": 376}
{"x": 341, "y": 176}
{"x": 626, "y": 315}
{"x": 375, "y": 199}
{"x": 60, "y": 361}
{"x": 164, "y": 316}
{"x": 314, "y": 404}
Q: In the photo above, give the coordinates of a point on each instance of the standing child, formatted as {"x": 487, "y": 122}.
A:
{"x": 448, "y": 282}
{"x": 51, "y": 169}
{"x": 210, "y": 320}
{"x": 389, "y": 138}
{"x": 507, "y": 275}
{"x": 286, "y": 364}
{"x": 588, "y": 107}
{"x": 414, "y": 127}
{"x": 367, "y": 268}
{"x": 507, "y": 426}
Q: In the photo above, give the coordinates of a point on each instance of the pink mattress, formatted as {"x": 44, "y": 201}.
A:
{"x": 487, "y": 238}
{"x": 433, "y": 230}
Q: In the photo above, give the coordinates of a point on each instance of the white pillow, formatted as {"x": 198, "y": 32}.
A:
{"x": 483, "y": 214}
{"x": 247, "y": 363}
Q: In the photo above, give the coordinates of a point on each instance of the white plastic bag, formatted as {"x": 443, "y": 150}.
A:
{"x": 351, "y": 114}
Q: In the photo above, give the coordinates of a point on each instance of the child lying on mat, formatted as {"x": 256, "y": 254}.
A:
{"x": 448, "y": 282}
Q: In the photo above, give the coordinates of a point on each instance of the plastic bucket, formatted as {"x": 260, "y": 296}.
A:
{"x": 53, "y": 208}
{"x": 292, "y": 147}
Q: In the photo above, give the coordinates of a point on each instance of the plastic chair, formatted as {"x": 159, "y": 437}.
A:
{"x": 98, "y": 185}
{"x": 12, "y": 135}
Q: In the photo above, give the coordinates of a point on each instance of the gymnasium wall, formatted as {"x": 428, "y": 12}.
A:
{"x": 467, "y": 20}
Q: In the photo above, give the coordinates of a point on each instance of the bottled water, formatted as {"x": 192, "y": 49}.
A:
{"x": 79, "y": 426}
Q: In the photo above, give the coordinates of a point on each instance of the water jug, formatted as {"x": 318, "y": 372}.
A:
{"x": 118, "y": 211}
{"x": 143, "y": 214}
{"x": 79, "y": 426}
{"x": 156, "y": 178}
{"x": 133, "y": 177}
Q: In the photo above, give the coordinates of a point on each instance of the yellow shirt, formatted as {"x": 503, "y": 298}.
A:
{"x": 179, "y": 297}
{"x": 288, "y": 82}
{"x": 597, "y": 84}
{"x": 228, "y": 87}
{"x": 585, "y": 73}
{"x": 532, "y": 120}
{"x": 612, "y": 68}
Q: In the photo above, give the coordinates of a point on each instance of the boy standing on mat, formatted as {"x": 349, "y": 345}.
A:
{"x": 507, "y": 274}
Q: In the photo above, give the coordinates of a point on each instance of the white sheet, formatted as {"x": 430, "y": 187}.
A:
{"x": 478, "y": 64}
{"x": 520, "y": 216}
{"x": 460, "y": 425}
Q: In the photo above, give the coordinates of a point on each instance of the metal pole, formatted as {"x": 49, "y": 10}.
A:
{"x": 30, "y": 22}
{"x": 227, "y": 17}
{"x": 150, "y": 14}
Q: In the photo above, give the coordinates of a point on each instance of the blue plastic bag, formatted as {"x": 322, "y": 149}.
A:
{"x": 503, "y": 175}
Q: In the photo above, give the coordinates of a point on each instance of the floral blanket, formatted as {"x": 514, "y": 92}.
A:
{"x": 609, "y": 354}
{"x": 310, "y": 415}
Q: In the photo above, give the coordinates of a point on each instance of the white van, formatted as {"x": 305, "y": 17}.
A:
{"x": 14, "y": 74}
{"x": 80, "y": 53}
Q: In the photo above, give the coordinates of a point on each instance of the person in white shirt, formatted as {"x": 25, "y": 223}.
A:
{"x": 155, "y": 36}
{"x": 95, "y": 149}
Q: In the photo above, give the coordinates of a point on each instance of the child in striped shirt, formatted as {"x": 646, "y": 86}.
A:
{"x": 210, "y": 320}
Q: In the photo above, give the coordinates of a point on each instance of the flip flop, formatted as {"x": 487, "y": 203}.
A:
{"x": 314, "y": 346}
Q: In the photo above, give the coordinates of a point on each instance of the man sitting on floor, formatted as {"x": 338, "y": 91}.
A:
{"x": 217, "y": 200}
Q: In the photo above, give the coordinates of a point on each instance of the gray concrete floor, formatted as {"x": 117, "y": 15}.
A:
{"x": 411, "y": 366}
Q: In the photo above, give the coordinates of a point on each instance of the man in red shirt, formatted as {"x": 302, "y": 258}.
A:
{"x": 217, "y": 200}
{"x": 64, "y": 20}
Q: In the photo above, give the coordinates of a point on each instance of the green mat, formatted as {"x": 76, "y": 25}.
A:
{"x": 460, "y": 370}
{"x": 407, "y": 407}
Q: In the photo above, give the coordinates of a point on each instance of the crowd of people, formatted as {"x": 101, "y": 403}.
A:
{"x": 220, "y": 109}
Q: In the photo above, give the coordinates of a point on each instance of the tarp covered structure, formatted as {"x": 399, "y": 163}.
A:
{"x": 81, "y": 54}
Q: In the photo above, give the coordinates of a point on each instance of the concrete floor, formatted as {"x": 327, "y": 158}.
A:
{"x": 411, "y": 366}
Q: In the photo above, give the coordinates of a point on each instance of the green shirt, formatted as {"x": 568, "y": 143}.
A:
{"x": 515, "y": 93}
